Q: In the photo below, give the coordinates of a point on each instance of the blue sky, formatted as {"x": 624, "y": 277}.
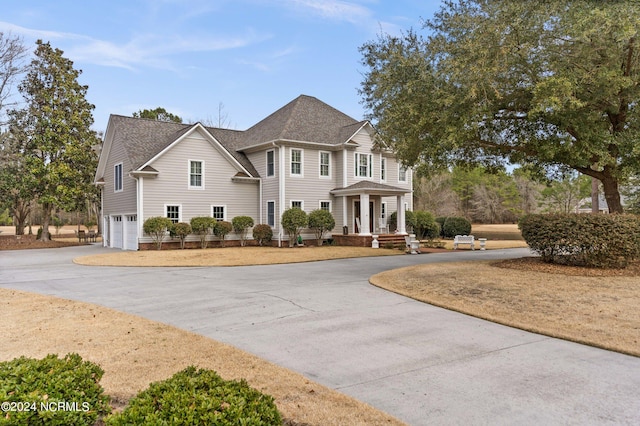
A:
{"x": 189, "y": 56}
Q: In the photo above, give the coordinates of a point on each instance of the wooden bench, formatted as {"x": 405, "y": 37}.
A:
{"x": 463, "y": 239}
{"x": 82, "y": 236}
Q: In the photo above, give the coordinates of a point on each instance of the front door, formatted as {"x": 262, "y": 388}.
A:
{"x": 357, "y": 215}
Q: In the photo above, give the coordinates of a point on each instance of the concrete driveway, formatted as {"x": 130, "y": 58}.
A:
{"x": 422, "y": 364}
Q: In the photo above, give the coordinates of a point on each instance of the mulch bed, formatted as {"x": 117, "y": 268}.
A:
{"x": 536, "y": 264}
{"x": 11, "y": 242}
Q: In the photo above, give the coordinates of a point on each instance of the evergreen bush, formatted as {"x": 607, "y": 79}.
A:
{"x": 241, "y": 225}
{"x": 156, "y": 227}
{"x": 52, "y": 391}
{"x": 262, "y": 234}
{"x": 180, "y": 230}
{"x": 199, "y": 397}
{"x": 425, "y": 225}
{"x": 455, "y": 225}
{"x": 202, "y": 226}
{"x": 221, "y": 229}
{"x": 321, "y": 221}
{"x": 600, "y": 240}
{"x": 294, "y": 220}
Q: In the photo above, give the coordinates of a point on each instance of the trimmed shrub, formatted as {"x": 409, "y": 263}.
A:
{"x": 262, "y": 234}
{"x": 409, "y": 220}
{"x": 455, "y": 225}
{"x": 199, "y": 397}
{"x": 180, "y": 230}
{"x": 425, "y": 226}
{"x": 221, "y": 229}
{"x": 321, "y": 221}
{"x": 202, "y": 226}
{"x": 241, "y": 225}
{"x": 293, "y": 221}
{"x": 156, "y": 227}
{"x": 56, "y": 391}
{"x": 603, "y": 241}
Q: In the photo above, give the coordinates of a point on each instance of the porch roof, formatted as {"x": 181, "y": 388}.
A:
{"x": 368, "y": 187}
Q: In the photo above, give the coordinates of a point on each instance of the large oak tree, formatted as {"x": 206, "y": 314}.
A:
{"x": 54, "y": 130}
{"x": 550, "y": 84}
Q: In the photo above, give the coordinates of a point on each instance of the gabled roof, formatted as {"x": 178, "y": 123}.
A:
{"x": 304, "y": 119}
{"x": 143, "y": 139}
{"x": 370, "y": 187}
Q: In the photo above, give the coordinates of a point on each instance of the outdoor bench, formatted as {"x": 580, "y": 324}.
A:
{"x": 463, "y": 239}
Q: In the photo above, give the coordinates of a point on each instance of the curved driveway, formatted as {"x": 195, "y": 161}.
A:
{"x": 422, "y": 364}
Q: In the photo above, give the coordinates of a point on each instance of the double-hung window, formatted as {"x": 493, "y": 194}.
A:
{"x": 218, "y": 213}
{"x": 117, "y": 177}
{"x": 402, "y": 173}
{"x": 271, "y": 213}
{"x": 325, "y": 205}
{"x": 383, "y": 169}
{"x": 297, "y": 204}
{"x": 196, "y": 174}
{"x": 363, "y": 163}
{"x": 173, "y": 212}
{"x": 271, "y": 165}
{"x": 296, "y": 162}
{"x": 325, "y": 163}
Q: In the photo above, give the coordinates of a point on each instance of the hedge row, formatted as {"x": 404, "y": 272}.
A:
{"x": 603, "y": 241}
{"x": 54, "y": 391}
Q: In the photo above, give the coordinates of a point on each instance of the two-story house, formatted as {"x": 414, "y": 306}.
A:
{"x": 306, "y": 154}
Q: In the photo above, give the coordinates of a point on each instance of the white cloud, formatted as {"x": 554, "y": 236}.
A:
{"x": 336, "y": 10}
{"x": 144, "y": 50}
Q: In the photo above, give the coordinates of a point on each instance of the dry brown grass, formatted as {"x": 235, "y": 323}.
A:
{"x": 134, "y": 352}
{"x": 230, "y": 256}
{"x": 596, "y": 310}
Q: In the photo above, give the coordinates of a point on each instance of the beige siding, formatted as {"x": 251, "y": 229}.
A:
{"x": 172, "y": 184}
{"x": 125, "y": 200}
{"x": 269, "y": 184}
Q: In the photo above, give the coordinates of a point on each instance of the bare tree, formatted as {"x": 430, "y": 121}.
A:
{"x": 436, "y": 195}
{"x": 12, "y": 56}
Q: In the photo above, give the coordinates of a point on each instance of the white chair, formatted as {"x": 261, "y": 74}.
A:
{"x": 383, "y": 226}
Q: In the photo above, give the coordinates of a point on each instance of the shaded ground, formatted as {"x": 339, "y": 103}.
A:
{"x": 592, "y": 306}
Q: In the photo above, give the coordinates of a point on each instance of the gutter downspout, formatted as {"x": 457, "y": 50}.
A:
{"x": 281, "y": 190}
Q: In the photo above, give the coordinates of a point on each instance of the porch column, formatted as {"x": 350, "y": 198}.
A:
{"x": 402, "y": 229}
{"x": 345, "y": 220}
{"x": 365, "y": 221}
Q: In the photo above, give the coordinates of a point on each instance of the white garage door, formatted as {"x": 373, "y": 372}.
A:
{"x": 131, "y": 232}
{"x": 116, "y": 230}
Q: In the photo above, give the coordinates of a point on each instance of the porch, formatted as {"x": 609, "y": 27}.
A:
{"x": 366, "y": 207}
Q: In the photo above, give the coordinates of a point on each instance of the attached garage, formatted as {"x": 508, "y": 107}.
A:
{"x": 131, "y": 232}
{"x": 116, "y": 232}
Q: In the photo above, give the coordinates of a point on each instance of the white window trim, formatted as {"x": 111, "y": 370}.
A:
{"x": 224, "y": 207}
{"x": 275, "y": 215}
{"x": 325, "y": 201}
{"x": 383, "y": 210}
{"x": 266, "y": 159}
{"x": 383, "y": 169}
{"x": 406, "y": 173}
{"x": 301, "y": 174}
{"x": 179, "y": 210}
{"x": 328, "y": 176}
{"x": 115, "y": 175}
{"x": 198, "y": 188}
{"x": 356, "y": 169}
{"x": 297, "y": 201}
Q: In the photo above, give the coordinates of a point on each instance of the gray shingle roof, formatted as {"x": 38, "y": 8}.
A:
{"x": 143, "y": 139}
{"x": 304, "y": 119}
